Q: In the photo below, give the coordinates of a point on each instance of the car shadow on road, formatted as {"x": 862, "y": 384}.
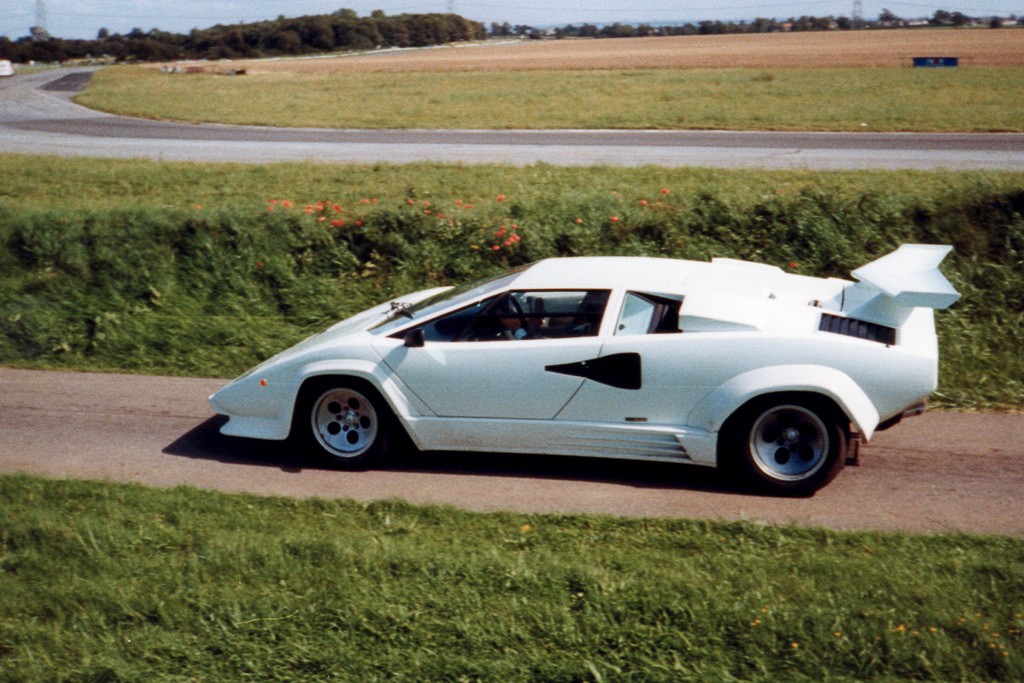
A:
{"x": 205, "y": 442}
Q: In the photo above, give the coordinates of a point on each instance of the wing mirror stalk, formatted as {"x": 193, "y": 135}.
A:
{"x": 414, "y": 339}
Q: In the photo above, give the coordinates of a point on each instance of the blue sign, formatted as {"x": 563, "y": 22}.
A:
{"x": 936, "y": 61}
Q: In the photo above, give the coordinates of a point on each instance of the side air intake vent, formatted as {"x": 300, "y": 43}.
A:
{"x": 857, "y": 328}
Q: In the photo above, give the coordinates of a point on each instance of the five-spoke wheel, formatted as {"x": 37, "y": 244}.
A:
{"x": 344, "y": 421}
{"x": 786, "y": 445}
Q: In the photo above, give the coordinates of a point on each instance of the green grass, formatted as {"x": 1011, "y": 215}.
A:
{"x": 122, "y": 271}
{"x": 875, "y": 99}
{"x": 121, "y": 583}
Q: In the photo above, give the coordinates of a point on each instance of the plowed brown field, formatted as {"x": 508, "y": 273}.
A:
{"x": 974, "y": 47}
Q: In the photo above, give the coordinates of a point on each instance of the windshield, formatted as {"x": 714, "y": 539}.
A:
{"x": 400, "y": 314}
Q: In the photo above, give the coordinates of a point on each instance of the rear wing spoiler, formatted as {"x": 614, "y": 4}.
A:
{"x": 910, "y": 276}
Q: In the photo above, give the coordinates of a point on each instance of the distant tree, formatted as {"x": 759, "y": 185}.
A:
{"x": 941, "y": 16}
{"x": 888, "y": 17}
{"x": 319, "y": 34}
{"x": 234, "y": 40}
{"x": 618, "y": 30}
{"x": 102, "y": 34}
{"x": 960, "y": 19}
{"x": 844, "y": 23}
{"x": 995, "y": 22}
{"x": 287, "y": 42}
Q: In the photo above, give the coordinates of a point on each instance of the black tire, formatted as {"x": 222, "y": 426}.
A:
{"x": 343, "y": 422}
{"x": 786, "y": 445}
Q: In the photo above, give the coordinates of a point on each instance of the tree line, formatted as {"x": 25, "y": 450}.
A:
{"x": 886, "y": 19}
{"x": 340, "y": 31}
{"x": 345, "y": 30}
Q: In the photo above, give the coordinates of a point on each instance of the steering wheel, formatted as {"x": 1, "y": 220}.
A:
{"x": 517, "y": 310}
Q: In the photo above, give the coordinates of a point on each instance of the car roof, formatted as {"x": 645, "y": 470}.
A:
{"x": 606, "y": 272}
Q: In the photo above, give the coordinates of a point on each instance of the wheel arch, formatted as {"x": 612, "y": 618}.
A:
{"x": 386, "y": 386}
{"x": 808, "y": 381}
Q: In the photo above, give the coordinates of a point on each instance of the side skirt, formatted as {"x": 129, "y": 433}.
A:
{"x": 590, "y": 439}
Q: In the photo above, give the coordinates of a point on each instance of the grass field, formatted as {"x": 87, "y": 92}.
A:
{"x": 841, "y": 81}
{"x": 120, "y": 583}
{"x": 190, "y": 269}
{"x": 883, "y": 99}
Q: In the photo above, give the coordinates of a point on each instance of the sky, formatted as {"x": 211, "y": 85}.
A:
{"x": 84, "y": 18}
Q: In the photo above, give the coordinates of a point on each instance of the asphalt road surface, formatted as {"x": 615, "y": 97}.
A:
{"x": 37, "y": 116}
{"x": 937, "y": 472}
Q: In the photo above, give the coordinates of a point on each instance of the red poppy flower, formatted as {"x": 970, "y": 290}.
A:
{"x": 579, "y": 221}
{"x": 665, "y": 191}
{"x": 501, "y": 197}
{"x": 614, "y": 219}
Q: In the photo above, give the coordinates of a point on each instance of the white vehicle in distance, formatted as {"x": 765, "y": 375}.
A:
{"x": 6, "y": 68}
{"x": 727, "y": 364}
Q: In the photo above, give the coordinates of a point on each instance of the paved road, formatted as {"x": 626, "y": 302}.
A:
{"x": 938, "y": 472}
{"x": 38, "y": 116}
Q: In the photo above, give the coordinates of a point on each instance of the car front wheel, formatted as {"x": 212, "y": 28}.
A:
{"x": 345, "y": 423}
{"x": 788, "y": 446}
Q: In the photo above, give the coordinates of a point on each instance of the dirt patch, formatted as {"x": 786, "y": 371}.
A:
{"x": 979, "y": 47}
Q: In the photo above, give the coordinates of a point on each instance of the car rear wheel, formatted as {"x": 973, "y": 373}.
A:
{"x": 345, "y": 423}
{"x": 788, "y": 446}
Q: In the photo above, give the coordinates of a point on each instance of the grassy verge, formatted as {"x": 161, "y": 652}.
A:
{"x": 121, "y": 583}
{"x": 192, "y": 269}
{"x": 879, "y": 99}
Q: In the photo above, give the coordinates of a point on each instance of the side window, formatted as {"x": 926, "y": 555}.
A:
{"x": 455, "y": 326}
{"x": 548, "y": 314}
{"x": 648, "y": 314}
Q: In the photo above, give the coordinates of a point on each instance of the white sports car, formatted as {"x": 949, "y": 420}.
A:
{"x": 730, "y": 364}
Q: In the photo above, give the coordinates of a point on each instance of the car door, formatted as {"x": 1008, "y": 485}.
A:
{"x": 669, "y": 372}
{"x": 493, "y": 359}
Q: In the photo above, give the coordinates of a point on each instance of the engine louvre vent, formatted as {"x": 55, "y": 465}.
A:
{"x": 857, "y": 328}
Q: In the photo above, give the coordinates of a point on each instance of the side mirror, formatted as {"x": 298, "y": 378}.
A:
{"x": 414, "y": 338}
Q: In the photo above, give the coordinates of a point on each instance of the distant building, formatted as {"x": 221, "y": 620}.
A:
{"x": 39, "y": 33}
